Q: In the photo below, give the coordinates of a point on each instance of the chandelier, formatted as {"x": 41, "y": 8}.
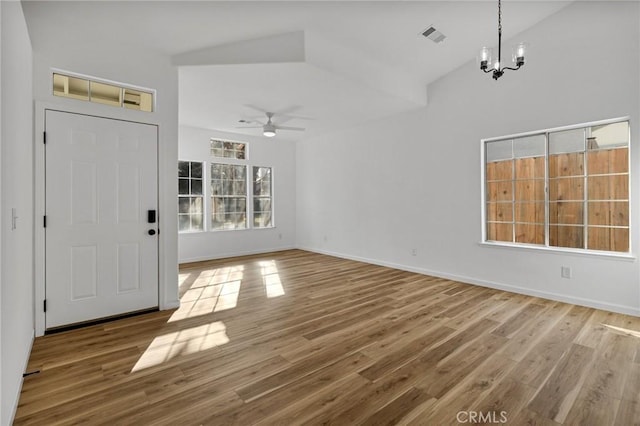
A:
{"x": 486, "y": 53}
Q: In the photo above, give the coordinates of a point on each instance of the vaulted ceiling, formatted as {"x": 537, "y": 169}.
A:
{"x": 330, "y": 64}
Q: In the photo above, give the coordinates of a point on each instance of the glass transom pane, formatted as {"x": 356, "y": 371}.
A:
{"x": 609, "y": 135}
{"x": 499, "y": 150}
{"x": 530, "y": 146}
{"x": 226, "y": 149}
{"x": 566, "y": 141}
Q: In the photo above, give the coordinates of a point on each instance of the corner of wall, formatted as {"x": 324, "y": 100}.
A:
{"x": 16, "y": 256}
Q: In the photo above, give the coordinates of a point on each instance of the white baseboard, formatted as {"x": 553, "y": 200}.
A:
{"x": 234, "y": 254}
{"x": 622, "y": 309}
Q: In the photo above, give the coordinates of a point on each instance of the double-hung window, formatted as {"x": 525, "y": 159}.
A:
{"x": 190, "y": 197}
{"x": 262, "y": 201}
{"x": 560, "y": 188}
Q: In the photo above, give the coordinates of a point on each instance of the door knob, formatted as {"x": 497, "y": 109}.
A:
{"x": 152, "y": 232}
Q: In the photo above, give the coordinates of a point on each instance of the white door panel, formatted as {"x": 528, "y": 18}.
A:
{"x": 101, "y": 179}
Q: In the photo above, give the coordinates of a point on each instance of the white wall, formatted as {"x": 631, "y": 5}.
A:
{"x": 413, "y": 181}
{"x": 276, "y": 153}
{"x": 1, "y": 233}
{"x": 136, "y": 67}
{"x": 17, "y": 323}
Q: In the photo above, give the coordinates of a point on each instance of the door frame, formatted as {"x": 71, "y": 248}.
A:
{"x": 98, "y": 111}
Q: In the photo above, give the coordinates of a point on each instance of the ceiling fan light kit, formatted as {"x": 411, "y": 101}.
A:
{"x": 269, "y": 131}
{"x": 486, "y": 53}
{"x": 269, "y": 128}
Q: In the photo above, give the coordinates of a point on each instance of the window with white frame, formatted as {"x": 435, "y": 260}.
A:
{"x": 228, "y": 196}
{"x": 560, "y": 188}
{"x": 262, "y": 197}
{"x": 190, "y": 196}
{"x": 227, "y": 149}
{"x": 240, "y": 195}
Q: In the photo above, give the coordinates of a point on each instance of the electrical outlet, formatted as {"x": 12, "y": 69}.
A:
{"x": 325, "y": 238}
{"x": 279, "y": 236}
{"x": 414, "y": 252}
{"x": 565, "y": 272}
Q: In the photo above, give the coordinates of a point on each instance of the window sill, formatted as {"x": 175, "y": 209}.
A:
{"x": 213, "y": 231}
{"x": 591, "y": 253}
{"x": 201, "y": 231}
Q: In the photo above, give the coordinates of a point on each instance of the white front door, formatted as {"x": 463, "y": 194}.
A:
{"x": 101, "y": 182}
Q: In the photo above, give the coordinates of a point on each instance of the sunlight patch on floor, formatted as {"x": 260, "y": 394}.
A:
{"x": 271, "y": 278}
{"x": 228, "y": 297}
{"x": 188, "y": 341}
{"x": 622, "y": 330}
{"x": 212, "y": 291}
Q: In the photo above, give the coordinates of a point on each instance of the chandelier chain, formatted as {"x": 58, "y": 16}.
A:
{"x": 486, "y": 53}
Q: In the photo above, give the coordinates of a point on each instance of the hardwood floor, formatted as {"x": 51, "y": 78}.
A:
{"x": 301, "y": 338}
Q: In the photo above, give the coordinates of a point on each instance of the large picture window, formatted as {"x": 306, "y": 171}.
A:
{"x": 190, "y": 212}
{"x": 240, "y": 195}
{"x": 228, "y": 196}
{"x": 565, "y": 188}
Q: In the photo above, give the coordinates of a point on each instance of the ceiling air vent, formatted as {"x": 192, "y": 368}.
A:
{"x": 434, "y": 35}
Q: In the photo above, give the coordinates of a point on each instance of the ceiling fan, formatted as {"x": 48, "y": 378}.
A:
{"x": 269, "y": 128}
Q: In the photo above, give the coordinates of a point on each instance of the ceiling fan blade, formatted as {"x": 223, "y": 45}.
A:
{"x": 289, "y": 111}
{"x": 249, "y": 127}
{"x": 297, "y": 117}
{"x": 255, "y": 108}
{"x": 250, "y": 121}
{"x": 300, "y": 129}
{"x": 286, "y": 118}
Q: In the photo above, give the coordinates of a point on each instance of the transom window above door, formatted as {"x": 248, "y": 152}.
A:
{"x": 85, "y": 88}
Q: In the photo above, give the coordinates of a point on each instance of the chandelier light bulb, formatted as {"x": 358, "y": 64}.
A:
{"x": 519, "y": 52}
{"x": 484, "y": 58}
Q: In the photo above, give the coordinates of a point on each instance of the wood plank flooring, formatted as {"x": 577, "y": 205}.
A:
{"x": 302, "y": 338}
